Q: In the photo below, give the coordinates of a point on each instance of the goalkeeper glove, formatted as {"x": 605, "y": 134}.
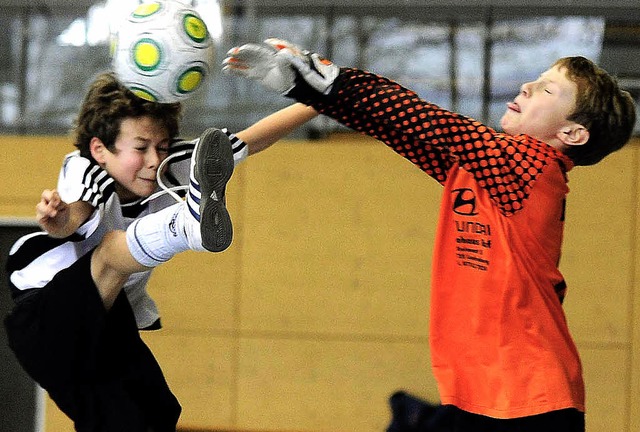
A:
{"x": 281, "y": 66}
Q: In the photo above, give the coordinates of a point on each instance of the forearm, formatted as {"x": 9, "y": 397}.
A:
{"x": 276, "y": 126}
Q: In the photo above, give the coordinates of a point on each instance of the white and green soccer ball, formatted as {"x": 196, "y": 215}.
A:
{"x": 163, "y": 51}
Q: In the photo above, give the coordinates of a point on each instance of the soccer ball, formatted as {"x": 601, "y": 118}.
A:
{"x": 163, "y": 51}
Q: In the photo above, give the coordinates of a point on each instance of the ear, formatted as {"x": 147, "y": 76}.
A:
{"x": 573, "y": 135}
{"x": 98, "y": 150}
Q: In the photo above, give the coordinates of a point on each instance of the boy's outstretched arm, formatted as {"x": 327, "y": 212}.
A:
{"x": 276, "y": 126}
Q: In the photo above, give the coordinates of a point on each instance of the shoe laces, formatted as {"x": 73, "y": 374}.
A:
{"x": 164, "y": 188}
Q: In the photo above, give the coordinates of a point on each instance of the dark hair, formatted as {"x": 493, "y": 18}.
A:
{"x": 107, "y": 103}
{"x": 607, "y": 111}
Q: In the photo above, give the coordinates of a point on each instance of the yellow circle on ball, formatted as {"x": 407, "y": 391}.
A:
{"x": 146, "y": 54}
{"x": 141, "y": 93}
{"x": 190, "y": 80}
{"x": 146, "y": 9}
{"x": 195, "y": 28}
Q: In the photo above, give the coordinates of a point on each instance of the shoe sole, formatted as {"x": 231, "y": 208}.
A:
{"x": 213, "y": 169}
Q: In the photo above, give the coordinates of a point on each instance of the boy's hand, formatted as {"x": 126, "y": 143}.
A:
{"x": 52, "y": 214}
{"x": 281, "y": 66}
{"x": 259, "y": 63}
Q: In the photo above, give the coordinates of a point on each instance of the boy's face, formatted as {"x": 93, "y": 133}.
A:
{"x": 143, "y": 143}
{"x": 541, "y": 108}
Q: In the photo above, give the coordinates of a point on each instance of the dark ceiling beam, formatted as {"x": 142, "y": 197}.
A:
{"x": 620, "y": 10}
{"x": 623, "y": 10}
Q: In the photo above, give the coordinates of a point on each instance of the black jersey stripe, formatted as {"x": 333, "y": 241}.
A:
{"x": 33, "y": 248}
{"x": 236, "y": 143}
{"x": 98, "y": 185}
{"x": 179, "y": 145}
{"x": 107, "y": 190}
{"x": 133, "y": 210}
{"x": 105, "y": 185}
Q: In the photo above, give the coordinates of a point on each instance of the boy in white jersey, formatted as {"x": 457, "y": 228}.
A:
{"x": 74, "y": 329}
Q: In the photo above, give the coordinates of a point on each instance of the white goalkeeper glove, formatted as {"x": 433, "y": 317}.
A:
{"x": 281, "y": 66}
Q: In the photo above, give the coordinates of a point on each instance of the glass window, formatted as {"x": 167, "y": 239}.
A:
{"x": 473, "y": 67}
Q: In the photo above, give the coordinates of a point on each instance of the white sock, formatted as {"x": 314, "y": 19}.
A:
{"x": 157, "y": 237}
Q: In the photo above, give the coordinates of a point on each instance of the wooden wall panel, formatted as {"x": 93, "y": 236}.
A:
{"x": 597, "y": 257}
{"x": 337, "y": 239}
{"x": 28, "y": 165}
{"x": 201, "y": 371}
{"x": 326, "y": 385}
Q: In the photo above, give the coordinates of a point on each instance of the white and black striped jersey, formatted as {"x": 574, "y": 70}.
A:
{"x": 36, "y": 258}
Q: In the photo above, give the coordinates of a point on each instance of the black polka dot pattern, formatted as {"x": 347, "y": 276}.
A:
{"x": 436, "y": 140}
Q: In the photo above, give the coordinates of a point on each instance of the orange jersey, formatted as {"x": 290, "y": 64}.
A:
{"x": 499, "y": 340}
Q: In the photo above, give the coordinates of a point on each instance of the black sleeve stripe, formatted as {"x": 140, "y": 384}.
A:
{"x": 236, "y": 143}
{"x": 179, "y": 145}
{"x": 35, "y": 246}
{"x": 98, "y": 185}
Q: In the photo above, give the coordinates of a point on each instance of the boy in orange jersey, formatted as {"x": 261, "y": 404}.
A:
{"x": 501, "y": 350}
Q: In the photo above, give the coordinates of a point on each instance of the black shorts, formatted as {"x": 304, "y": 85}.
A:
{"x": 566, "y": 420}
{"x": 93, "y": 363}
